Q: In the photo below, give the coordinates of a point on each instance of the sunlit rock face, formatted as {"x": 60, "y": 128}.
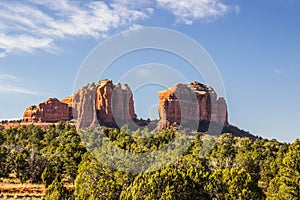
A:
{"x": 52, "y": 110}
{"x": 103, "y": 103}
{"x": 194, "y": 102}
{"x": 112, "y": 105}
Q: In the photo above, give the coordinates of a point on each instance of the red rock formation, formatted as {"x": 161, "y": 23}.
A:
{"x": 114, "y": 103}
{"x": 68, "y": 100}
{"x": 190, "y": 103}
{"x": 103, "y": 103}
{"x": 30, "y": 114}
{"x": 51, "y": 110}
{"x": 83, "y": 106}
{"x": 111, "y": 105}
{"x": 222, "y": 110}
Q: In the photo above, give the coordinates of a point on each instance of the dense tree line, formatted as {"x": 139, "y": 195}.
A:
{"x": 37, "y": 155}
{"x": 209, "y": 167}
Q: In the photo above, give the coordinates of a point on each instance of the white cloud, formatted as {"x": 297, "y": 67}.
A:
{"x": 10, "y": 89}
{"x": 147, "y": 70}
{"x": 188, "y": 11}
{"x": 30, "y": 25}
{"x": 136, "y": 4}
{"x": 283, "y": 71}
{"x": 9, "y": 84}
{"x": 34, "y": 24}
{"x": 24, "y": 43}
{"x": 8, "y": 77}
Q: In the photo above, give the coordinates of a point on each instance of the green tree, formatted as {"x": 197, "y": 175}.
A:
{"x": 224, "y": 152}
{"x": 21, "y": 165}
{"x": 47, "y": 176}
{"x": 95, "y": 181}
{"x": 184, "y": 179}
{"x": 56, "y": 191}
{"x": 63, "y": 152}
{"x": 232, "y": 184}
{"x": 270, "y": 162}
{"x": 247, "y": 159}
{"x": 5, "y": 167}
{"x": 290, "y": 173}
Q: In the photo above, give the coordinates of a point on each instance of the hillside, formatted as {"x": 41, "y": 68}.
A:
{"x": 84, "y": 165}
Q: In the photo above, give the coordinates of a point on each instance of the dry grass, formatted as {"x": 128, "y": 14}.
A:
{"x": 11, "y": 188}
{"x": 40, "y": 124}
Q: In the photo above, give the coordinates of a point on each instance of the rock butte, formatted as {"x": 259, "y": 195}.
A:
{"x": 194, "y": 102}
{"x": 108, "y": 104}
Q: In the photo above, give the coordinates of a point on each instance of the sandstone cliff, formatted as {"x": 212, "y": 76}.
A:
{"x": 51, "y": 110}
{"x": 103, "y": 103}
{"x": 114, "y": 104}
{"x": 111, "y": 105}
{"x": 194, "y": 102}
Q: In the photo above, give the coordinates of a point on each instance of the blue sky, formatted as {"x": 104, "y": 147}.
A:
{"x": 255, "y": 45}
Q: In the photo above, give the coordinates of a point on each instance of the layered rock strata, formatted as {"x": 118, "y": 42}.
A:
{"x": 51, "y": 110}
{"x": 103, "y": 103}
{"x": 111, "y": 105}
{"x": 194, "y": 102}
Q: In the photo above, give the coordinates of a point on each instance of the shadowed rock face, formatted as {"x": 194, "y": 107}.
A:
{"x": 83, "y": 106}
{"x": 192, "y": 102}
{"x": 114, "y": 103}
{"x": 51, "y": 110}
{"x": 104, "y": 103}
{"x": 111, "y": 105}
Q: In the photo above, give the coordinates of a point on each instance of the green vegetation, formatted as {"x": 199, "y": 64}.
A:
{"x": 36, "y": 155}
{"x": 212, "y": 167}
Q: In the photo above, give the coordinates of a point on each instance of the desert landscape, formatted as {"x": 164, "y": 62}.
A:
{"x": 149, "y": 99}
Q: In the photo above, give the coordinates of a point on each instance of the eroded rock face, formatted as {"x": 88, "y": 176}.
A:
{"x": 111, "y": 105}
{"x": 194, "y": 102}
{"x": 68, "y": 100}
{"x": 30, "y": 114}
{"x": 83, "y": 106}
{"x": 51, "y": 110}
{"x": 222, "y": 110}
{"x": 103, "y": 103}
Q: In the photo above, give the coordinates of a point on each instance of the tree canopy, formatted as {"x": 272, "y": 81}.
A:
{"x": 211, "y": 167}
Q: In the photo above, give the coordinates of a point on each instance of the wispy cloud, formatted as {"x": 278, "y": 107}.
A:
{"x": 136, "y": 3}
{"x": 10, "y": 89}
{"x": 147, "y": 70}
{"x": 9, "y": 84}
{"x": 188, "y": 11}
{"x": 33, "y": 24}
{"x": 8, "y": 77}
{"x": 30, "y": 25}
{"x": 278, "y": 71}
{"x": 282, "y": 71}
